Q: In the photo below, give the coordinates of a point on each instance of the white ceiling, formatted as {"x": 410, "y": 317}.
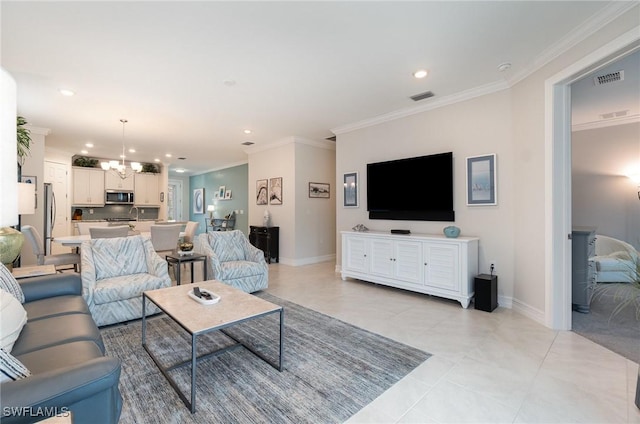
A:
{"x": 298, "y": 68}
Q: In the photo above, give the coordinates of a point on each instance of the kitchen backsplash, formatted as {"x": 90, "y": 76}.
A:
{"x": 114, "y": 211}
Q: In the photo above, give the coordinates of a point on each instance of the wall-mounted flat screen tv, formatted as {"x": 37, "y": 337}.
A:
{"x": 411, "y": 189}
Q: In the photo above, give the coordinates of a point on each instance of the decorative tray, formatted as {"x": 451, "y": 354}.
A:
{"x": 214, "y": 297}
{"x": 185, "y": 252}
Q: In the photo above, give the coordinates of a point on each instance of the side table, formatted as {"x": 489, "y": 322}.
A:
{"x": 174, "y": 258}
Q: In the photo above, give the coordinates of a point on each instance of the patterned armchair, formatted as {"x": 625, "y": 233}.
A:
{"x": 233, "y": 260}
{"x": 115, "y": 272}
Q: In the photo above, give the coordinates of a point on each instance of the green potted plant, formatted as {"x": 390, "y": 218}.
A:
{"x": 24, "y": 139}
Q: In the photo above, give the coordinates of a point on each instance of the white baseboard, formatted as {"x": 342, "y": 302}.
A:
{"x": 308, "y": 261}
{"x": 529, "y": 311}
{"x": 505, "y": 302}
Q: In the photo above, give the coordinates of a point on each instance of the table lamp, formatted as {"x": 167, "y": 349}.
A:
{"x": 210, "y": 209}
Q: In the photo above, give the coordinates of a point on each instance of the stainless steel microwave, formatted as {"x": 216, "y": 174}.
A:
{"x": 118, "y": 197}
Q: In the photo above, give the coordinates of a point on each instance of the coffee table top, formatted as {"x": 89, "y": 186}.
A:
{"x": 234, "y": 306}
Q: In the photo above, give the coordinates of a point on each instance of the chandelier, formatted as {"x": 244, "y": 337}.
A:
{"x": 118, "y": 168}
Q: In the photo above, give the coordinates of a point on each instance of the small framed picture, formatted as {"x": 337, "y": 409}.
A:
{"x": 221, "y": 191}
{"x": 261, "y": 192}
{"x": 319, "y": 190}
{"x": 481, "y": 180}
{"x": 350, "y": 190}
{"x": 216, "y": 196}
{"x": 275, "y": 191}
{"x": 198, "y": 200}
{"x": 227, "y": 194}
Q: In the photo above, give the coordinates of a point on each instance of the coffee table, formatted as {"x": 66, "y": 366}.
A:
{"x": 234, "y": 307}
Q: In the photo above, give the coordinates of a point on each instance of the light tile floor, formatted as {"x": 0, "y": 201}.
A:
{"x": 486, "y": 367}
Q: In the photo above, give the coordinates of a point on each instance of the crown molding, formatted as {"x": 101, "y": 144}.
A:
{"x": 580, "y": 33}
{"x": 606, "y": 123}
{"x": 433, "y": 104}
{"x": 603, "y": 17}
{"x": 325, "y": 144}
{"x": 38, "y": 130}
{"x": 230, "y": 165}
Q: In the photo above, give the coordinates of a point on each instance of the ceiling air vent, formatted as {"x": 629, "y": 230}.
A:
{"x": 608, "y": 78}
{"x": 422, "y": 96}
{"x": 331, "y": 138}
{"x": 248, "y": 143}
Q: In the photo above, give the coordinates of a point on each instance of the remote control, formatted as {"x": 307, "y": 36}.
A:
{"x": 196, "y": 291}
{"x": 206, "y": 295}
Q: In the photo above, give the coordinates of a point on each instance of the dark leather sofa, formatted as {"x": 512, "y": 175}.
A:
{"x": 63, "y": 349}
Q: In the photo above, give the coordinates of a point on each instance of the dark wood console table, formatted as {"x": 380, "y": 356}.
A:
{"x": 266, "y": 239}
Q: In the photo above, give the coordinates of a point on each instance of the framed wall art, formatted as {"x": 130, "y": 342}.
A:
{"x": 198, "y": 201}
{"x": 350, "y": 190}
{"x": 227, "y": 194}
{"x": 261, "y": 192}
{"x": 275, "y": 191}
{"x": 481, "y": 180}
{"x": 319, "y": 190}
{"x": 221, "y": 192}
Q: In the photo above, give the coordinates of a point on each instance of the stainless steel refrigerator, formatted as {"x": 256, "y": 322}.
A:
{"x": 49, "y": 202}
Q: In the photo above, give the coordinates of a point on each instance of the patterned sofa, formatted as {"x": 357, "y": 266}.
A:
{"x": 115, "y": 272}
{"x": 233, "y": 260}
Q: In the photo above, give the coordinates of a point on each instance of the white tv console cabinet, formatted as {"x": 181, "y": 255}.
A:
{"x": 423, "y": 263}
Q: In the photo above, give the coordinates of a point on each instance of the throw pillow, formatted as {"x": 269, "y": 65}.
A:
{"x": 12, "y": 318}
{"x": 9, "y": 283}
{"x": 11, "y": 368}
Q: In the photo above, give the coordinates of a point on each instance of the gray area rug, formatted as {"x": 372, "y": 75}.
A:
{"x": 331, "y": 370}
{"x": 617, "y": 330}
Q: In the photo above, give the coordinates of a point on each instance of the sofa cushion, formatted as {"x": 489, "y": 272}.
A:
{"x": 11, "y": 368}
{"x": 60, "y": 356}
{"x": 240, "y": 269}
{"x": 613, "y": 263}
{"x": 57, "y": 330}
{"x": 12, "y": 318}
{"x": 125, "y": 287}
{"x": 59, "y": 305}
{"x": 9, "y": 283}
{"x": 118, "y": 256}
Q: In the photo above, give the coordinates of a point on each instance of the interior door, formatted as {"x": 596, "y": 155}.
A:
{"x": 56, "y": 174}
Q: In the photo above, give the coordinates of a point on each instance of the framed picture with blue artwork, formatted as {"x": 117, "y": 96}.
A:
{"x": 481, "y": 180}
{"x": 198, "y": 200}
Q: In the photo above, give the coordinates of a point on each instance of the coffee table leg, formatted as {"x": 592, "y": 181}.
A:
{"x": 178, "y": 274}
{"x": 144, "y": 319}
{"x": 194, "y": 364}
{"x": 281, "y": 339}
{"x": 192, "y": 276}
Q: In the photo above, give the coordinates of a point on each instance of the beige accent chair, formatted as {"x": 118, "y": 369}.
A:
{"x": 83, "y": 227}
{"x": 109, "y": 232}
{"x": 164, "y": 238}
{"x": 190, "y": 231}
{"x": 38, "y": 249}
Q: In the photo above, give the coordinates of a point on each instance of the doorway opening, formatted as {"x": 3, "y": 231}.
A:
{"x": 174, "y": 200}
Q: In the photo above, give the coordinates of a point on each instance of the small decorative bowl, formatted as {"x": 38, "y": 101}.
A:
{"x": 451, "y": 231}
{"x": 186, "y": 247}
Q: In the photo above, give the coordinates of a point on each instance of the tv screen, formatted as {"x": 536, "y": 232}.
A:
{"x": 415, "y": 189}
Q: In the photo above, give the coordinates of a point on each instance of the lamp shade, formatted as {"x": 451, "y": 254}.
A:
{"x": 9, "y": 148}
{"x": 26, "y": 199}
{"x": 210, "y": 208}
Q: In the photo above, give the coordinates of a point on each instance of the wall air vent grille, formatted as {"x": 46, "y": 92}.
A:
{"x": 422, "y": 96}
{"x": 608, "y": 78}
{"x": 331, "y": 138}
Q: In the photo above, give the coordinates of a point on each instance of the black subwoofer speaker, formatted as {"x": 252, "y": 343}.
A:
{"x": 486, "y": 288}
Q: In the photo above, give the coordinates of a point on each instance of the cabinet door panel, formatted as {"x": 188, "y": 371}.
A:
{"x": 382, "y": 257}
{"x": 442, "y": 268}
{"x": 408, "y": 261}
{"x": 356, "y": 254}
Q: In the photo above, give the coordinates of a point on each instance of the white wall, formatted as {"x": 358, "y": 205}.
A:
{"x": 307, "y": 226}
{"x": 602, "y": 195}
{"x": 315, "y": 218}
{"x": 474, "y": 127}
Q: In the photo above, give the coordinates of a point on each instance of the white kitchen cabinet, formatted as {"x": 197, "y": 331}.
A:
{"x": 112, "y": 181}
{"x": 146, "y": 190}
{"x": 423, "y": 263}
{"x": 88, "y": 187}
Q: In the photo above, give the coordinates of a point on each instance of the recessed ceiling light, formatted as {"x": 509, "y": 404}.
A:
{"x": 247, "y": 131}
{"x": 421, "y": 73}
{"x": 132, "y": 150}
{"x": 168, "y": 155}
{"x": 122, "y": 156}
{"x": 156, "y": 160}
{"x": 84, "y": 152}
{"x": 229, "y": 82}
{"x": 180, "y": 171}
{"x": 66, "y": 92}
{"x": 89, "y": 145}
